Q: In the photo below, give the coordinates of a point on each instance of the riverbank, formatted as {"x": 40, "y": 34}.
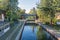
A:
{"x": 51, "y": 31}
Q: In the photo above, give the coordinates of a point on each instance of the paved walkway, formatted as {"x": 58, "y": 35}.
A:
{"x": 52, "y": 31}
{"x": 4, "y": 26}
{"x": 12, "y": 33}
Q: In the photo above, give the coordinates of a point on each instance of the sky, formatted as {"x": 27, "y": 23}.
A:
{"x": 27, "y": 4}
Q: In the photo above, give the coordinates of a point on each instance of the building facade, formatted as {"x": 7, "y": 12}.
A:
{"x": 2, "y": 15}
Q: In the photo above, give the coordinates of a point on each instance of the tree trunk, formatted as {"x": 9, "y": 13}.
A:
{"x": 51, "y": 22}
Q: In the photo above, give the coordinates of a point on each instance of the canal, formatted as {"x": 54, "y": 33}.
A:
{"x": 34, "y": 32}
{"x": 30, "y": 32}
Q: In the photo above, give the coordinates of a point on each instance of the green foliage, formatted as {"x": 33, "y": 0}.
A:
{"x": 32, "y": 11}
{"x": 3, "y": 4}
{"x": 40, "y": 34}
{"x": 30, "y": 18}
{"x": 48, "y": 7}
{"x": 11, "y": 7}
{"x": 12, "y": 10}
{"x": 20, "y": 12}
{"x": 8, "y": 15}
{"x": 54, "y": 20}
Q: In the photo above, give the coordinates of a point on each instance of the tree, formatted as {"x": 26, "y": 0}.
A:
{"x": 32, "y": 11}
{"x": 3, "y": 4}
{"x": 12, "y": 9}
{"x": 48, "y": 7}
{"x": 40, "y": 15}
{"x": 20, "y": 12}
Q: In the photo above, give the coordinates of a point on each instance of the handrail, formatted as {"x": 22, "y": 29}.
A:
{"x": 4, "y": 26}
{"x": 21, "y": 32}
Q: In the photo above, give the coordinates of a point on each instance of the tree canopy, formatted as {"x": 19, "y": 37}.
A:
{"x": 48, "y": 7}
{"x": 3, "y": 4}
{"x": 12, "y": 9}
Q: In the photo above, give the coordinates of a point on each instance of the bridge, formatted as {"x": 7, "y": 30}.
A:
{"x": 24, "y": 16}
{"x": 30, "y": 22}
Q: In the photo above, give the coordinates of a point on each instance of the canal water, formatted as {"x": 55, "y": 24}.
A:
{"x": 33, "y": 32}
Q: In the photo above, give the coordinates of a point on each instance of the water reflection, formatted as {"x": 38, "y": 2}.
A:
{"x": 40, "y": 34}
{"x": 33, "y": 28}
{"x": 29, "y": 33}
{"x": 33, "y": 32}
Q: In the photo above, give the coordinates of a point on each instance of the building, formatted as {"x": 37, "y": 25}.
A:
{"x": 2, "y": 15}
{"x": 58, "y": 16}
